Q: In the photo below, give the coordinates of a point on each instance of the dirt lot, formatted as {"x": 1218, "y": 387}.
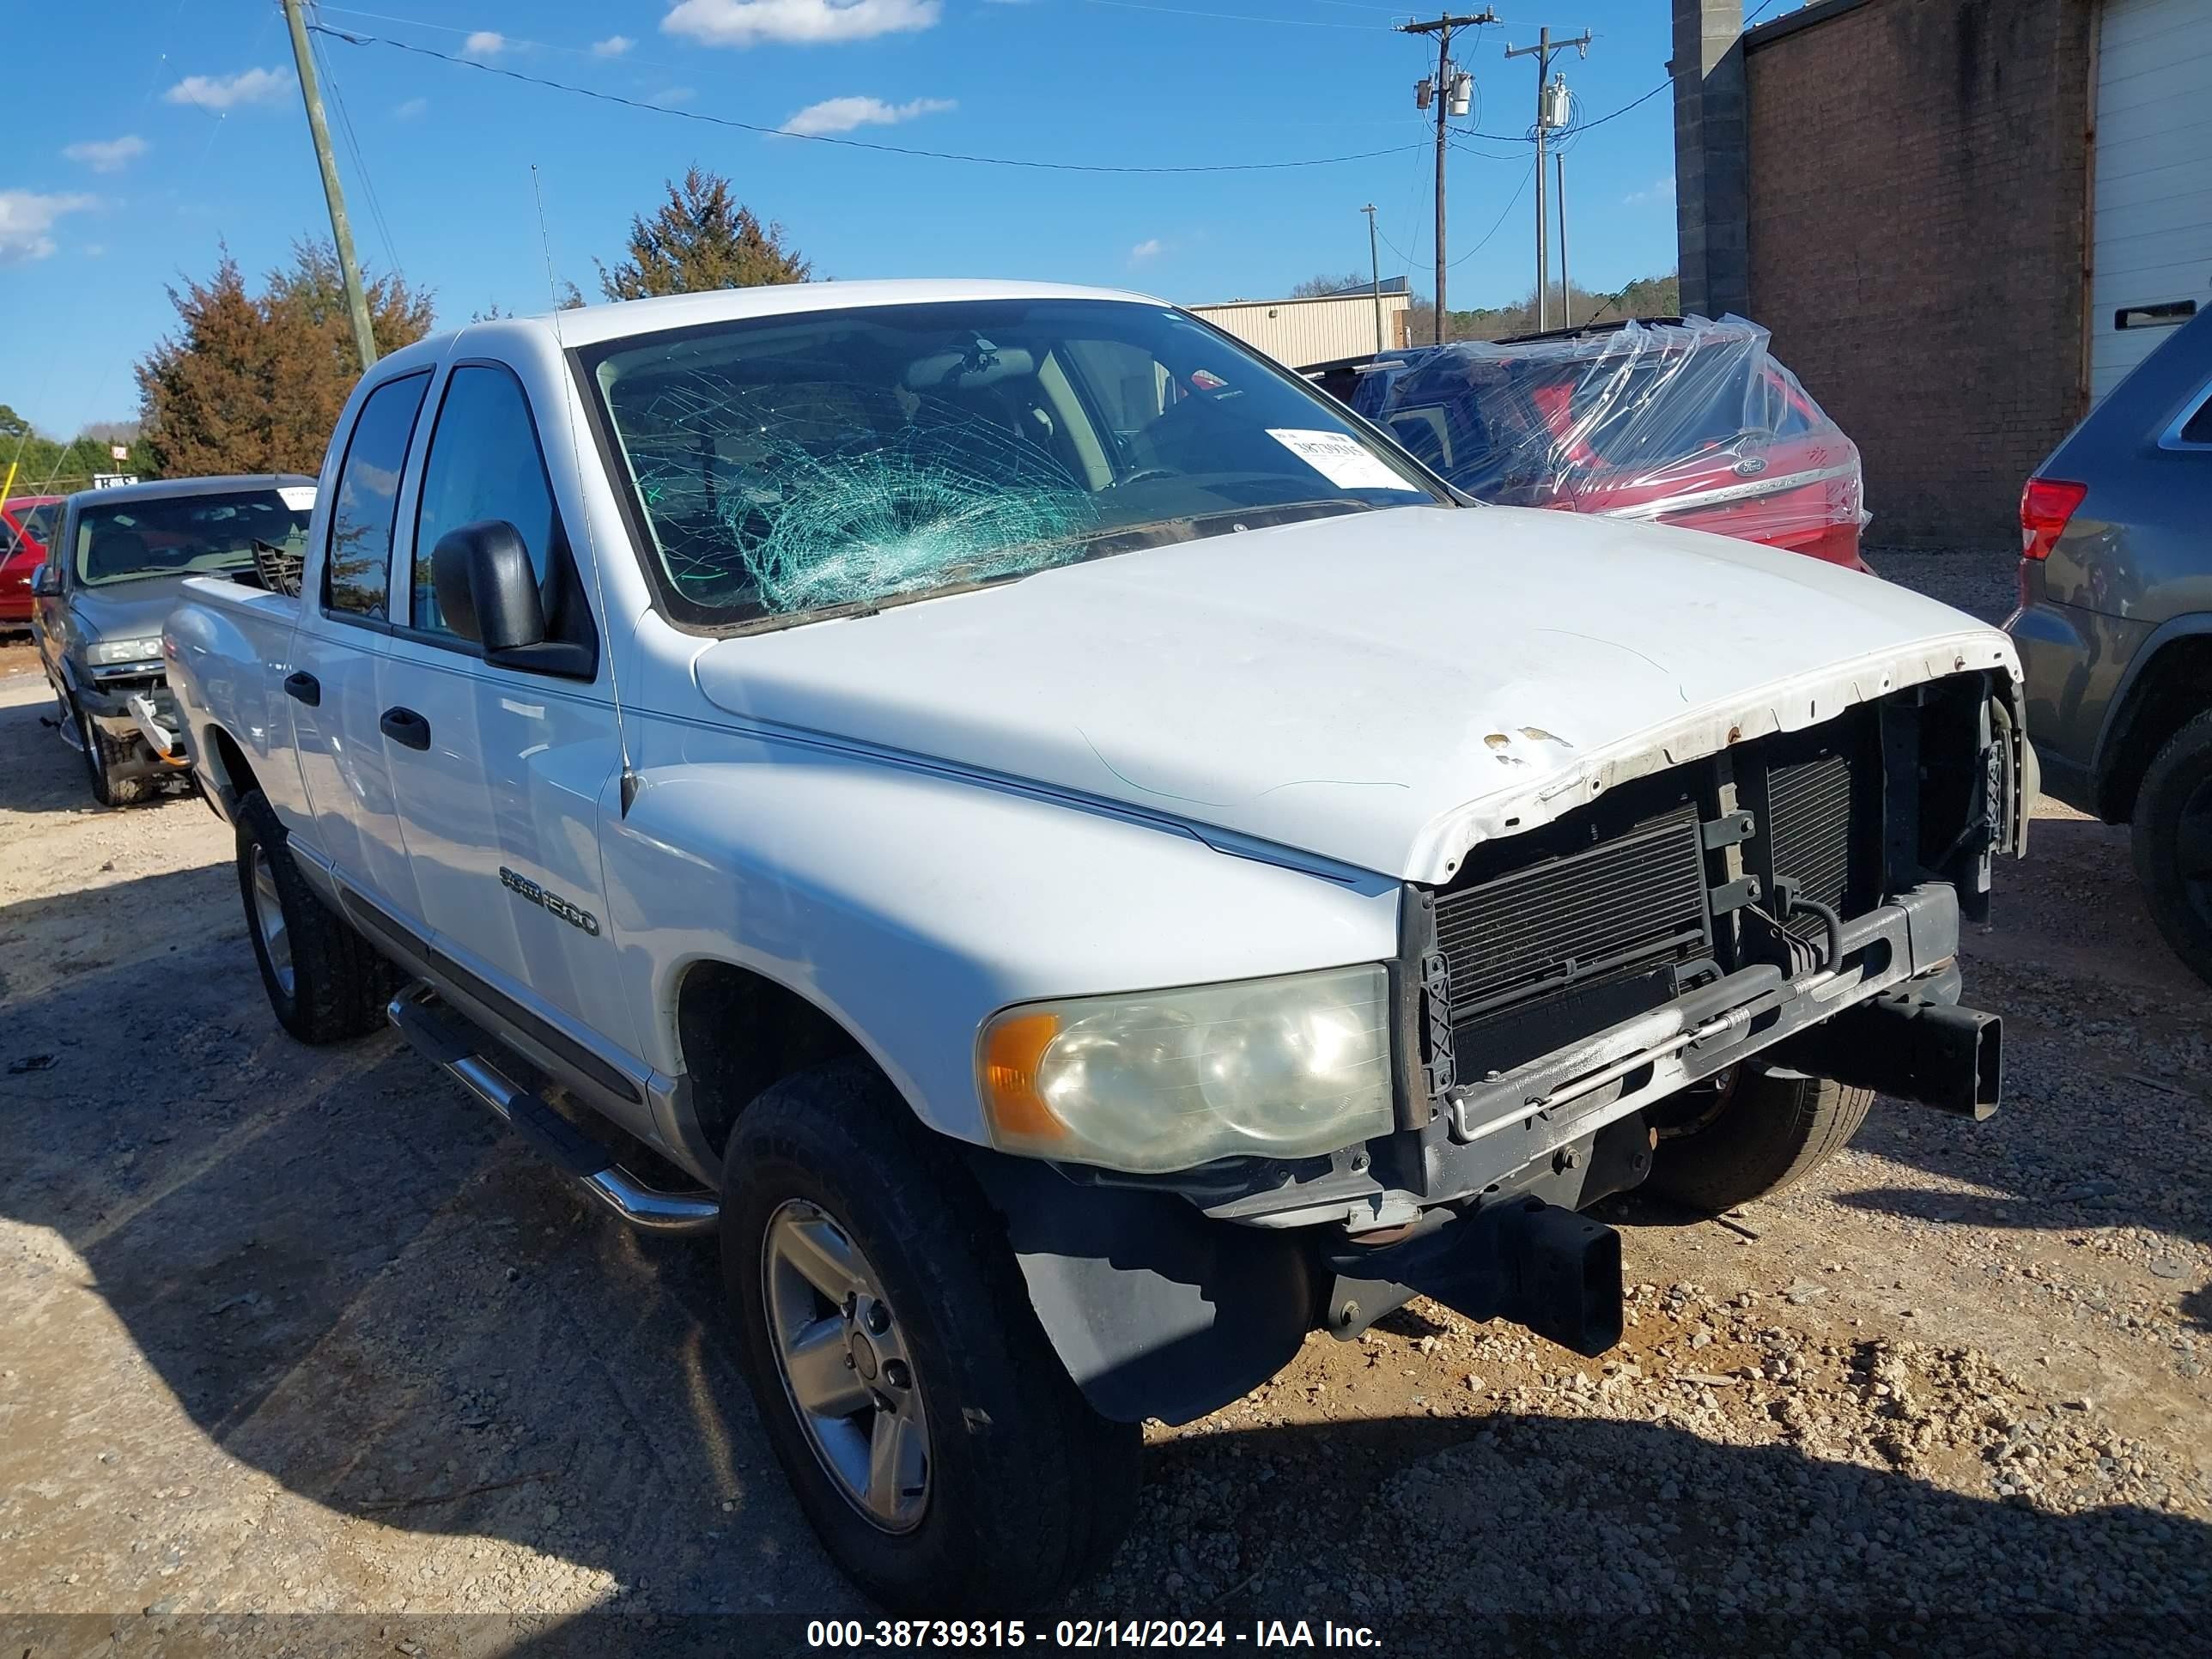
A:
{"x": 295, "y": 1334}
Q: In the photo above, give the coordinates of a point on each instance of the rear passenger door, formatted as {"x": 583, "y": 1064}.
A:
{"x": 501, "y": 802}
{"x": 338, "y": 653}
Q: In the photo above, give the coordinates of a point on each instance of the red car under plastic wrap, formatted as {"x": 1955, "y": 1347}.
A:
{"x": 1684, "y": 422}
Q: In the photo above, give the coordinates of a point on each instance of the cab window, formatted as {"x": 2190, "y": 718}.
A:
{"x": 484, "y": 463}
{"x": 358, "y": 570}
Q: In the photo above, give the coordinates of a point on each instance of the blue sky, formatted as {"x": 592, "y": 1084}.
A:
{"x": 190, "y": 134}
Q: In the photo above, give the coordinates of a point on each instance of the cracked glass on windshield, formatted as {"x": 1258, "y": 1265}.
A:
{"x": 793, "y": 464}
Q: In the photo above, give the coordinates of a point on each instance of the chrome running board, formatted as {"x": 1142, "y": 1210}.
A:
{"x": 447, "y": 1040}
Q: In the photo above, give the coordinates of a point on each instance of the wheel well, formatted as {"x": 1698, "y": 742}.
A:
{"x": 739, "y": 1031}
{"x": 2169, "y": 693}
{"x": 236, "y": 772}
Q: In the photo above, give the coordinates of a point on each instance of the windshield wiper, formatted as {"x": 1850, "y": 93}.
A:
{"x": 1197, "y": 526}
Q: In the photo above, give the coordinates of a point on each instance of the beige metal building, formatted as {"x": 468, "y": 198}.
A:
{"x": 1308, "y": 333}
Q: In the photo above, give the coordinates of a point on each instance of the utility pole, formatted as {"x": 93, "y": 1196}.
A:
{"x": 1451, "y": 95}
{"x": 364, "y": 338}
{"x": 1566, "y": 287}
{"x": 1541, "y": 51}
{"x": 1375, "y": 274}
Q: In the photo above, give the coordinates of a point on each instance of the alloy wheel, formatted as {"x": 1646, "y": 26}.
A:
{"x": 841, "y": 1353}
{"x": 268, "y": 920}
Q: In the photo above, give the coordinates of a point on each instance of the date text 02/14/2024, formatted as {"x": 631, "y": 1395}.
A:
{"x": 1086, "y": 1633}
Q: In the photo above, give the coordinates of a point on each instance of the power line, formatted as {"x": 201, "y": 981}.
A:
{"x": 1519, "y": 190}
{"x": 353, "y": 39}
{"x": 360, "y": 161}
{"x": 463, "y": 29}
{"x": 1530, "y": 137}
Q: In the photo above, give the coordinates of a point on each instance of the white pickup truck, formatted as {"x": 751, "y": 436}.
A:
{"x": 1079, "y": 858}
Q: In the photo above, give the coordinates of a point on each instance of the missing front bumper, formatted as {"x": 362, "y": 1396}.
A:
{"x": 1503, "y": 1121}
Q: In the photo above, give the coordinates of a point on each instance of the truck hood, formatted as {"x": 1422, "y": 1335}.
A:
{"x": 1383, "y": 689}
{"x": 128, "y": 610}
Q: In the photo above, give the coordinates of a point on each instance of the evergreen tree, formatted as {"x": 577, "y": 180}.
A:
{"x": 701, "y": 238}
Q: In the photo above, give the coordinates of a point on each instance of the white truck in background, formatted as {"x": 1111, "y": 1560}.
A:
{"x": 1078, "y": 858}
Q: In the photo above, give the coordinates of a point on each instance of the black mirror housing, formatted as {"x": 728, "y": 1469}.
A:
{"x": 486, "y": 590}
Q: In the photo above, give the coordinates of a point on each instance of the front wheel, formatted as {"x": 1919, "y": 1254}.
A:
{"x": 931, "y": 1434}
{"x": 104, "y": 757}
{"x": 1749, "y": 1134}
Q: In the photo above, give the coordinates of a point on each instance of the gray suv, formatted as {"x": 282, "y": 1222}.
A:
{"x": 2115, "y": 626}
{"x": 115, "y": 567}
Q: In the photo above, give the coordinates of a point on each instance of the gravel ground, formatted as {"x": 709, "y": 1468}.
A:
{"x": 293, "y": 1333}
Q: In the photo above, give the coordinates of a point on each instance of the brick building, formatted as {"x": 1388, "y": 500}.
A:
{"x": 1961, "y": 219}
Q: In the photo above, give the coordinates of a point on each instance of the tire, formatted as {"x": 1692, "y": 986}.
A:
{"x": 325, "y": 982}
{"x": 2173, "y": 843}
{"x": 1025, "y": 1490}
{"x": 102, "y": 754}
{"x": 1763, "y": 1133}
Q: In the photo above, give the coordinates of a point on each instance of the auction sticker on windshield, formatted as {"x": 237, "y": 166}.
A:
{"x": 1341, "y": 459}
{"x": 301, "y": 498}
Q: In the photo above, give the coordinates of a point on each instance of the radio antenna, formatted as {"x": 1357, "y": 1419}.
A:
{"x": 591, "y": 541}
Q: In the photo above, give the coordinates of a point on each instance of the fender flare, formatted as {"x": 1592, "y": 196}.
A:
{"x": 2195, "y": 624}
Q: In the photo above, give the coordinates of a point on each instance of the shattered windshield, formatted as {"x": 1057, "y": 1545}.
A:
{"x": 792, "y": 464}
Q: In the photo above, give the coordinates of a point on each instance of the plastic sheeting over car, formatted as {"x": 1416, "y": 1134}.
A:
{"x": 1688, "y": 423}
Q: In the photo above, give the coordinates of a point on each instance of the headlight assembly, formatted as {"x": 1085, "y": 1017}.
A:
{"x": 106, "y": 652}
{"x": 1163, "y": 1080}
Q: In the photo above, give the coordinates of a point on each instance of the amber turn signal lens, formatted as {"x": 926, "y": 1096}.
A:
{"x": 1012, "y": 1051}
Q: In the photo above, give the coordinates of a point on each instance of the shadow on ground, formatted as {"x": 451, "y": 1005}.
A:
{"x": 351, "y": 1285}
{"x": 351, "y": 1282}
{"x": 2107, "y": 1040}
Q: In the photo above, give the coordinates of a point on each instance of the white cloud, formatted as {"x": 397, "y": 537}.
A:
{"x": 107, "y": 155}
{"x": 484, "y": 43}
{"x": 410, "y": 109}
{"x": 27, "y": 219}
{"x": 843, "y": 114}
{"x": 222, "y": 91}
{"x": 1661, "y": 190}
{"x": 804, "y": 22}
{"x": 613, "y": 46}
{"x": 1150, "y": 248}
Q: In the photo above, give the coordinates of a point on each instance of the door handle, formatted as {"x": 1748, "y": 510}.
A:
{"x": 304, "y": 688}
{"x": 406, "y": 726}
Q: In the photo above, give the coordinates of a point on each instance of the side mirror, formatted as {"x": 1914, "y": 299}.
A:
{"x": 43, "y": 584}
{"x": 487, "y": 591}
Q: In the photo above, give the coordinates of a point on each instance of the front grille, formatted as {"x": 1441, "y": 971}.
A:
{"x": 1633, "y": 901}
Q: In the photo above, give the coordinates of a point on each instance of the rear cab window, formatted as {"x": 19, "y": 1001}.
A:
{"x": 357, "y": 572}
